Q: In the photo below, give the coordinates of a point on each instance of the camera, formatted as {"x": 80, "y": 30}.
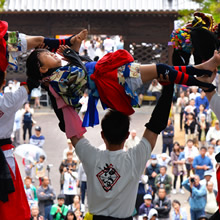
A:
{"x": 192, "y": 180}
{"x": 49, "y": 166}
{"x": 67, "y": 168}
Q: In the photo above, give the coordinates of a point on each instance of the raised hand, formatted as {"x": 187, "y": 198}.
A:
{"x": 61, "y": 50}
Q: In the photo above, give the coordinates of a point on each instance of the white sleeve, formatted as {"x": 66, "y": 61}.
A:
{"x": 41, "y": 143}
{"x": 86, "y": 152}
{"x": 215, "y": 104}
{"x": 15, "y": 99}
{"x": 150, "y": 88}
{"x": 31, "y": 141}
{"x": 140, "y": 154}
{"x": 208, "y": 136}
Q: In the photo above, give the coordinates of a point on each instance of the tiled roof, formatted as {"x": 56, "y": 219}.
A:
{"x": 99, "y": 5}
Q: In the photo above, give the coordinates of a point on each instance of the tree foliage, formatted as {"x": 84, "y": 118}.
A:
{"x": 207, "y": 6}
{"x": 2, "y": 2}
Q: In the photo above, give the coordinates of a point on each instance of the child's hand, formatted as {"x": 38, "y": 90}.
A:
{"x": 61, "y": 50}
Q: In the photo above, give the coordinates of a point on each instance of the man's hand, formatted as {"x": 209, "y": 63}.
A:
{"x": 42, "y": 193}
{"x": 177, "y": 211}
{"x": 154, "y": 174}
{"x": 205, "y": 167}
{"x": 59, "y": 209}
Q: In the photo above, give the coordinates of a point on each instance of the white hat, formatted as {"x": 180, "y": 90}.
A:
{"x": 208, "y": 173}
{"x": 147, "y": 196}
{"x": 152, "y": 213}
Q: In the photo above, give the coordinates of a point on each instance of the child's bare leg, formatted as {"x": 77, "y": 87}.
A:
{"x": 34, "y": 41}
{"x": 77, "y": 40}
{"x": 148, "y": 72}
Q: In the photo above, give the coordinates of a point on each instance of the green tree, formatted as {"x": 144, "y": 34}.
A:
{"x": 207, "y": 6}
{"x": 212, "y": 7}
{"x": 2, "y": 2}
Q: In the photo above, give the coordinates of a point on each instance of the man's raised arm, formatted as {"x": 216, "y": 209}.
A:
{"x": 160, "y": 115}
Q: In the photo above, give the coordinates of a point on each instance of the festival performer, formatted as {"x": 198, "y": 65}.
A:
{"x": 199, "y": 37}
{"x": 113, "y": 174}
{"x": 114, "y": 79}
{"x": 13, "y": 201}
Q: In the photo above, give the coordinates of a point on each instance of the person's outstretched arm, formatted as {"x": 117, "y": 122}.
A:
{"x": 159, "y": 116}
{"x": 53, "y": 44}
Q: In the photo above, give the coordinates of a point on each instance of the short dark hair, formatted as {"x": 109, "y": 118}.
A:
{"x": 28, "y": 178}
{"x": 33, "y": 64}
{"x": 61, "y": 196}
{"x": 71, "y": 213}
{"x": 177, "y": 143}
{"x": 115, "y": 126}
{"x": 189, "y": 140}
{"x": 162, "y": 188}
{"x": 176, "y": 201}
{"x": 42, "y": 157}
{"x": 203, "y": 148}
{"x": 163, "y": 167}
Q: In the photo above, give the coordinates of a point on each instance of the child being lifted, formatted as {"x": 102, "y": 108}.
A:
{"x": 114, "y": 79}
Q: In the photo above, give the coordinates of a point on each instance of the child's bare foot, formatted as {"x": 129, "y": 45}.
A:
{"x": 77, "y": 39}
{"x": 210, "y": 64}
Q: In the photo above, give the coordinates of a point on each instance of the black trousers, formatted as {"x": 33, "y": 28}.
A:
{"x": 27, "y": 126}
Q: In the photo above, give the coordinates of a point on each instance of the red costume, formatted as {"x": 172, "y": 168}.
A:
{"x": 17, "y": 205}
{"x": 106, "y": 79}
{"x": 13, "y": 203}
{"x": 3, "y": 58}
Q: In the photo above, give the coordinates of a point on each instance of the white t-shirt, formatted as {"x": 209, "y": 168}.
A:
{"x": 108, "y": 44}
{"x": 190, "y": 152}
{"x": 213, "y": 133}
{"x": 130, "y": 142}
{"x": 69, "y": 186}
{"x": 112, "y": 177}
{"x": 193, "y": 95}
{"x": 10, "y": 103}
{"x": 66, "y": 150}
{"x": 81, "y": 173}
